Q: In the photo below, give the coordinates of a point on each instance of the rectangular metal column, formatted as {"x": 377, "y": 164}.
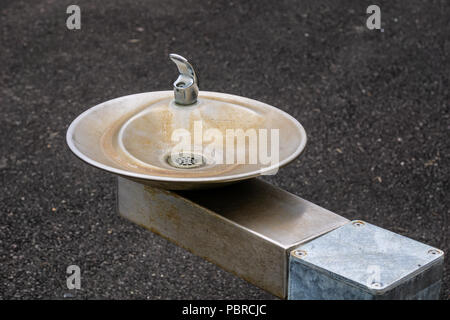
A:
{"x": 247, "y": 228}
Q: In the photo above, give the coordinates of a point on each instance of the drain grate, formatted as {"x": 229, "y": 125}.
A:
{"x": 186, "y": 160}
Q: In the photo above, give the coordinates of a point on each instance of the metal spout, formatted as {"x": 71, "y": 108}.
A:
{"x": 185, "y": 88}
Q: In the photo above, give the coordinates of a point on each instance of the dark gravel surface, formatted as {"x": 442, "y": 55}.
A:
{"x": 375, "y": 106}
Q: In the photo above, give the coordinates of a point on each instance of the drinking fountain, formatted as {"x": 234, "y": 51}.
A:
{"x": 187, "y": 163}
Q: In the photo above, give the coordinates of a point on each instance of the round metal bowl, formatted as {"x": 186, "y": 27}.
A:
{"x": 135, "y": 137}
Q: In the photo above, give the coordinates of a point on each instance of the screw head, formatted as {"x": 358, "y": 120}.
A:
{"x": 434, "y": 252}
{"x": 358, "y": 223}
{"x": 299, "y": 253}
{"x": 376, "y": 285}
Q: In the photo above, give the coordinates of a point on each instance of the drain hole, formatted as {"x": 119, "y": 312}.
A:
{"x": 186, "y": 160}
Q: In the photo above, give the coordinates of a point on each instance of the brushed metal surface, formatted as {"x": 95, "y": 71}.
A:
{"x": 276, "y": 214}
{"x": 247, "y": 228}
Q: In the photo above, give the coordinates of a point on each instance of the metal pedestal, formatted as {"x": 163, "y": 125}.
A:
{"x": 259, "y": 232}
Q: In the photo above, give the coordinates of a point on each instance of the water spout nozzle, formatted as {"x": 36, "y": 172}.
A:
{"x": 185, "y": 88}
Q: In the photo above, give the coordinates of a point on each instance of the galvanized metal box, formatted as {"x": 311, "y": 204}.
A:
{"x": 362, "y": 261}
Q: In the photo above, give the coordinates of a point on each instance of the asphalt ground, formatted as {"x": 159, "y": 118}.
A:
{"x": 375, "y": 106}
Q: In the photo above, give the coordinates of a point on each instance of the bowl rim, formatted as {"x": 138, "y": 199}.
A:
{"x": 218, "y": 179}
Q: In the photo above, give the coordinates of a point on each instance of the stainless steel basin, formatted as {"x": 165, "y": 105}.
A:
{"x": 131, "y": 136}
{"x": 186, "y": 139}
